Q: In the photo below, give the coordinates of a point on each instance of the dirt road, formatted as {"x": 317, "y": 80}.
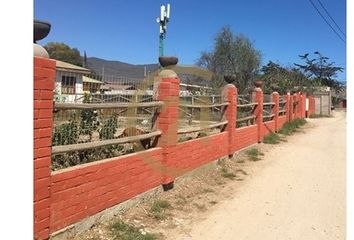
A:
{"x": 299, "y": 194}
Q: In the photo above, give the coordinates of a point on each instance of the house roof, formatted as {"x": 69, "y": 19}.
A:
{"x": 68, "y": 67}
{"x": 91, "y": 80}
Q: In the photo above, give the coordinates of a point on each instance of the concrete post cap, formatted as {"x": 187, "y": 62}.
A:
{"x": 39, "y": 51}
{"x": 167, "y": 73}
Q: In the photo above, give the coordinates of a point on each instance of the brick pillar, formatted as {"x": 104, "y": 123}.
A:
{"x": 303, "y": 105}
{"x": 167, "y": 121}
{"x": 299, "y": 105}
{"x": 229, "y": 94}
{"x": 258, "y": 98}
{"x": 295, "y": 106}
{"x": 288, "y": 106}
{"x": 299, "y": 109}
{"x": 44, "y": 78}
{"x": 275, "y": 99}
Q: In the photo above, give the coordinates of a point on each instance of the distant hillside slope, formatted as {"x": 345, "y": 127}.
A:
{"x": 136, "y": 72}
{"x": 119, "y": 68}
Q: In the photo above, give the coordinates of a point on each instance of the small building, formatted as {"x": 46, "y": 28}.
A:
{"x": 72, "y": 82}
{"x": 91, "y": 85}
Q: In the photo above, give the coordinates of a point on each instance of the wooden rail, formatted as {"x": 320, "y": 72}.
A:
{"x": 269, "y": 116}
{"x": 204, "y": 106}
{"x": 83, "y": 146}
{"x": 215, "y": 125}
{"x": 245, "y": 118}
{"x": 246, "y": 105}
{"x": 106, "y": 105}
{"x": 269, "y": 104}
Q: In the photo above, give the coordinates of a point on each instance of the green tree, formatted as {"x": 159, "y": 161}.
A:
{"x": 232, "y": 55}
{"x": 320, "y": 70}
{"x": 283, "y": 79}
{"x": 63, "y": 52}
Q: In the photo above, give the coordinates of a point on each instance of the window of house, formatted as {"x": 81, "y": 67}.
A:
{"x": 68, "y": 84}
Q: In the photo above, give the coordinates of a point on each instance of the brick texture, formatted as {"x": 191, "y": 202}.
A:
{"x": 44, "y": 77}
{"x": 67, "y": 196}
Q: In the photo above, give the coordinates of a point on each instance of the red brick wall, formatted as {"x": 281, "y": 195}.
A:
{"x": 188, "y": 155}
{"x": 44, "y": 77}
{"x": 268, "y": 128}
{"x": 281, "y": 122}
{"x": 245, "y": 136}
{"x": 67, "y": 196}
{"x": 229, "y": 94}
{"x": 312, "y": 106}
{"x": 87, "y": 189}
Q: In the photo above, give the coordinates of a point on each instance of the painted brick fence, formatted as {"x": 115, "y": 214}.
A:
{"x": 64, "y": 197}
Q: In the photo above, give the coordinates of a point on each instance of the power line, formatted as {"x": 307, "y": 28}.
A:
{"x": 326, "y": 21}
{"x": 331, "y": 18}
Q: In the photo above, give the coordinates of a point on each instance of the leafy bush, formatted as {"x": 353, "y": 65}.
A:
{"x": 253, "y": 154}
{"x": 89, "y": 121}
{"x": 290, "y": 127}
{"x": 158, "y": 209}
{"x": 124, "y": 231}
{"x": 109, "y": 128}
{"x": 272, "y": 138}
{"x": 66, "y": 133}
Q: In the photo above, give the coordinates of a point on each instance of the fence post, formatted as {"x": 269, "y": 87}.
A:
{"x": 299, "y": 105}
{"x": 299, "y": 110}
{"x": 275, "y": 99}
{"x": 303, "y": 105}
{"x": 287, "y": 106}
{"x": 229, "y": 94}
{"x": 295, "y": 105}
{"x": 44, "y": 78}
{"x": 167, "y": 120}
{"x": 258, "y": 98}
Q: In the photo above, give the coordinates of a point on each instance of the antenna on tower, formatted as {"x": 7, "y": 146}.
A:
{"x": 163, "y": 20}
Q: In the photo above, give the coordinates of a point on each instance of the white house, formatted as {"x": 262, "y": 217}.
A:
{"x": 71, "y": 82}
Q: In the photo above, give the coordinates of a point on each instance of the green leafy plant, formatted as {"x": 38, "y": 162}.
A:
{"x": 227, "y": 174}
{"x": 109, "y": 128}
{"x": 253, "y": 154}
{"x": 290, "y": 127}
{"x": 66, "y": 133}
{"x": 158, "y": 209}
{"x": 123, "y": 231}
{"x": 89, "y": 122}
{"x": 272, "y": 138}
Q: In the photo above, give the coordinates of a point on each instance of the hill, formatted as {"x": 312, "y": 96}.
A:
{"x": 118, "y": 68}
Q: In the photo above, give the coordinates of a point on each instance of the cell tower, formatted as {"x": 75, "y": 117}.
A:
{"x": 163, "y": 20}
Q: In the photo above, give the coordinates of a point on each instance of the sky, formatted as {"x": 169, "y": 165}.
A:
{"x": 127, "y": 30}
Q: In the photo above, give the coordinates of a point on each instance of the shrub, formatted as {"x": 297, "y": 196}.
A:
{"x": 290, "y": 127}
{"x": 66, "y": 133}
{"x": 109, "y": 128}
{"x": 89, "y": 121}
{"x": 124, "y": 231}
{"x": 158, "y": 209}
{"x": 272, "y": 138}
{"x": 253, "y": 154}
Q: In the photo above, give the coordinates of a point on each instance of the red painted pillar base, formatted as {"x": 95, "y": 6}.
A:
{"x": 44, "y": 78}
{"x": 167, "y": 121}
